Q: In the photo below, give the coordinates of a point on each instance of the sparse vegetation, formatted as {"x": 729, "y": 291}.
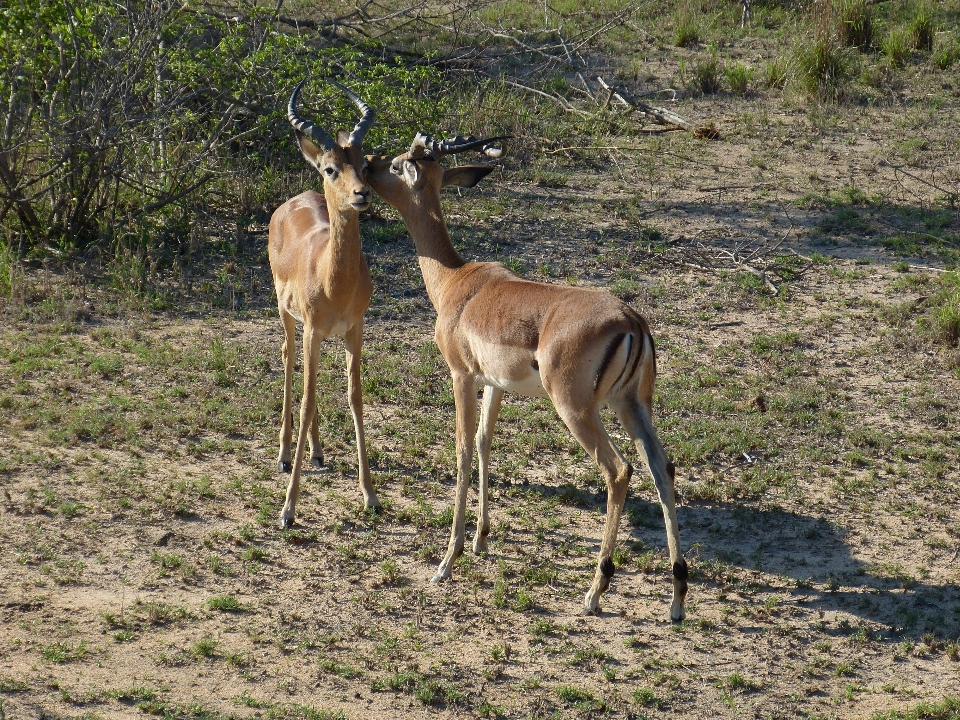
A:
{"x": 813, "y": 424}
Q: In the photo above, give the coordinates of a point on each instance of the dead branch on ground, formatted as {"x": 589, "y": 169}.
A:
{"x": 658, "y": 115}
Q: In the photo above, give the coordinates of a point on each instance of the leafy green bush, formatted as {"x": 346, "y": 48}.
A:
{"x": 114, "y": 153}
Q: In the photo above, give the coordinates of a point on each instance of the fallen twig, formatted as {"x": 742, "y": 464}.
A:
{"x": 556, "y": 98}
{"x": 589, "y": 147}
{"x": 760, "y": 274}
{"x": 661, "y": 116}
{"x": 953, "y": 196}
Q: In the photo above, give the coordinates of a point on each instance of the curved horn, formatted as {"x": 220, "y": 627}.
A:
{"x": 317, "y": 134}
{"x": 366, "y": 119}
{"x": 456, "y": 145}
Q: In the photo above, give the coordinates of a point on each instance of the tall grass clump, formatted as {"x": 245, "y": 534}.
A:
{"x": 706, "y": 74}
{"x": 896, "y": 46}
{"x": 854, "y": 23}
{"x": 776, "y": 72}
{"x": 821, "y": 67}
{"x": 686, "y": 23}
{"x": 7, "y": 264}
{"x": 922, "y": 29}
{"x": 947, "y": 309}
{"x": 946, "y": 54}
{"x": 739, "y": 77}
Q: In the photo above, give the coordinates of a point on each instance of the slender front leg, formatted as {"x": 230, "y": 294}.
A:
{"x": 353, "y": 341}
{"x": 618, "y": 481}
{"x": 288, "y": 353}
{"x": 316, "y": 447}
{"x": 308, "y": 408}
{"x": 465, "y": 398}
{"x": 489, "y": 410}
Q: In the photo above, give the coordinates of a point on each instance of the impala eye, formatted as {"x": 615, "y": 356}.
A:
{"x": 329, "y": 171}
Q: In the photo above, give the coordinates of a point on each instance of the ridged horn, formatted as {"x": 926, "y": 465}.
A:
{"x": 320, "y": 136}
{"x": 457, "y": 144}
{"x": 366, "y": 119}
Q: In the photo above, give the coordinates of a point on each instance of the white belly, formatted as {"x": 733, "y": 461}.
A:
{"x": 530, "y": 385}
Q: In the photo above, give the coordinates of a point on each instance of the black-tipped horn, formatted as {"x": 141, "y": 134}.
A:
{"x": 457, "y": 144}
{"x": 317, "y": 134}
{"x": 366, "y": 119}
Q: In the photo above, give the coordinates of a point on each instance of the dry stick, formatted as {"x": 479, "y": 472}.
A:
{"x": 928, "y": 235}
{"x": 661, "y": 116}
{"x": 779, "y": 243}
{"x": 520, "y": 43}
{"x": 927, "y": 267}
{"x": 557, "y": 99}
{"x": 760, "y": 274}
{"x": 575, "y": 65}
{"x": 590, "y": 147}
{"x": 949, "y": 194}
{"x": 172, "y": 198}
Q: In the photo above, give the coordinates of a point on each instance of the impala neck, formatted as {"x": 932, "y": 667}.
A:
{"x": 439, "y": 260}
{"x": 344, "y": 250}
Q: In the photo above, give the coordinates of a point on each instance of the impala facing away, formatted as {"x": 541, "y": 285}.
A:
{"x": 322, "y": 280}
{"x": 581, "y": 348}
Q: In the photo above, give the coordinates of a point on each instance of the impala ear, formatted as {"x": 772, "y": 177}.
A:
{"x": 465, "y": 176}
{"x": 411, "y": 173}
{"x": 310, "y": 151}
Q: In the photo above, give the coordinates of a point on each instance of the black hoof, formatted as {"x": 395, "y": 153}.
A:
{"x": 285, "y": 467}
{"x": 317, "y": 461}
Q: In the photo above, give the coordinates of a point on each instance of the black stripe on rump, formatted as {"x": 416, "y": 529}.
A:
{"x": 607, "y": 357}
{"x": 636, "y": 361}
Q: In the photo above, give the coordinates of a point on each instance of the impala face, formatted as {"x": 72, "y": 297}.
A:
{"x": 342, "y": 169}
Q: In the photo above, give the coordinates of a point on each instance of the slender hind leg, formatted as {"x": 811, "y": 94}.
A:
{"x": 590, "y": 433}
{"x": 288, "y": 353}
{"x": 492, "y": 397}
{"x": 353, "y": 341}
{"x": 637, "y": 420}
